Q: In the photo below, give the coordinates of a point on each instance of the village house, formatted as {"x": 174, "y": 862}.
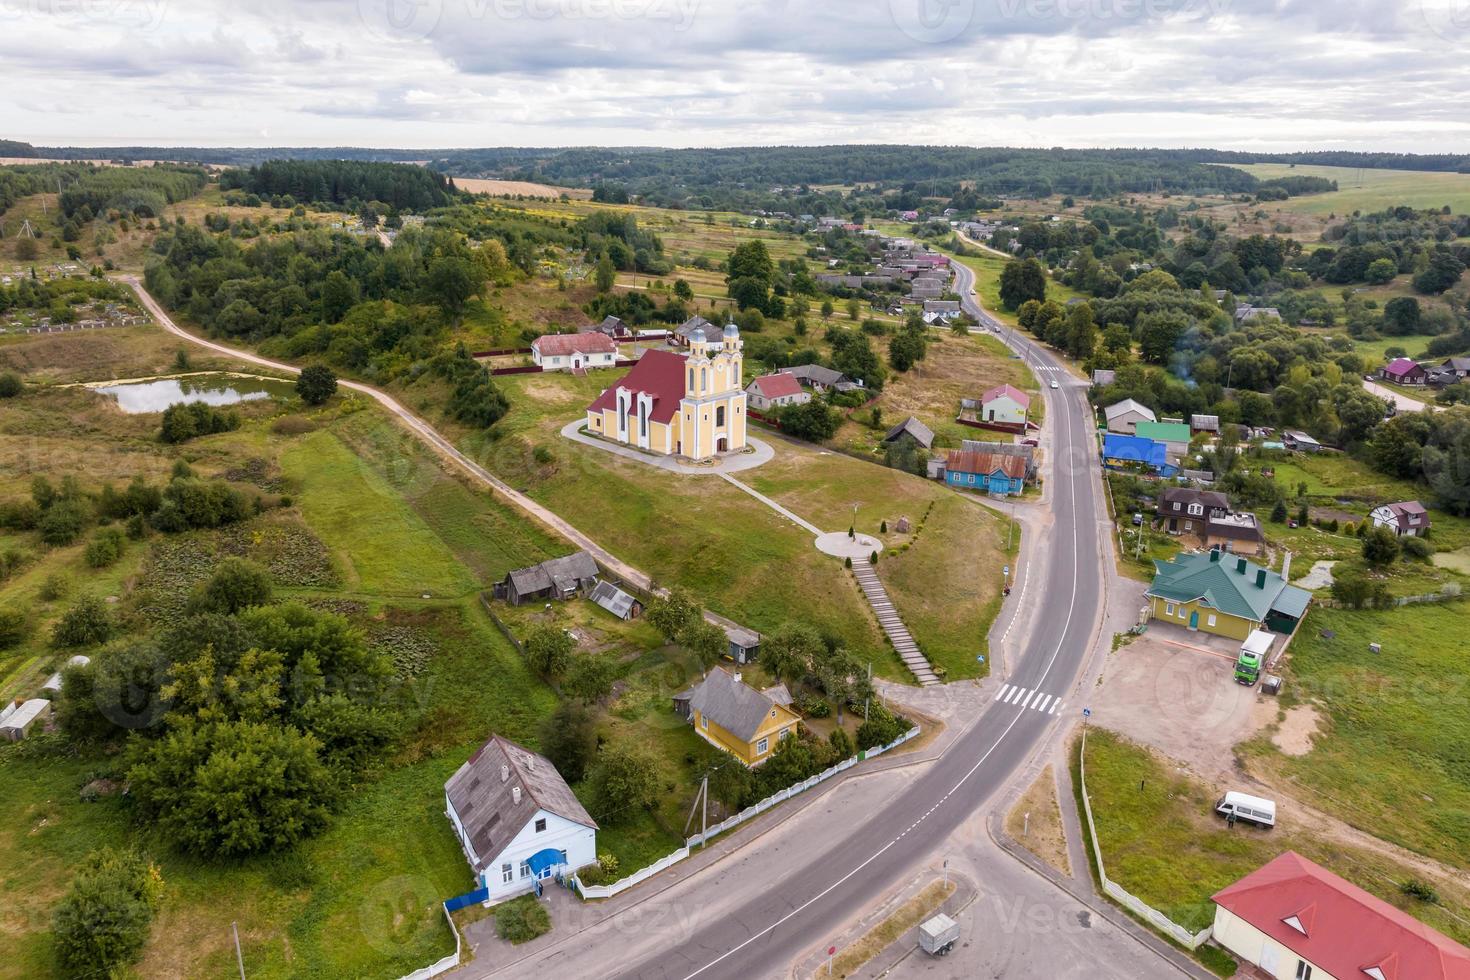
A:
{"x": 1292, "y": 919}
{"x": 1133, "y": 453}
{"x": 574, "y": 351}
{"x": 820, "y": 379}
{"x": 776, "y": 391}
{"x": 1125, "y": 415}
{"x": 1006, "y": 404}
{"x": 1459, "y": 365}
{"x": 558, "y": 578}
{"x": 517, "y": 820}
{"x": 1174, "y": 436}
{"x": 1224, "y": 595}
{"x": 1402, "y": 371}
{"x": 1239, "y": 534}
{"x": 611, "y": 326}
{"x": 1408, "y": 518}
{"x": 1299, "y": 442}
{"x": 1245, "y": 313}
{"x": 687, "y": 329}
{"x": 676, "y": 405}
{"x": 991, "y": 472}
{"x": 1204, "y": 423}
{"x": 616, "y": 601}
{"x": 1103, "y": 377}
{"x": 735, "y": 717}
{"x": 911, "y": 428}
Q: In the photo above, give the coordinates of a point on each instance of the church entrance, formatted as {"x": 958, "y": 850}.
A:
{"x": 722, "y": 444}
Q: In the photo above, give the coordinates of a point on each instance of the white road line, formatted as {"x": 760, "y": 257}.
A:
{"x": 1050, "y": 663}
{"x": 1027, "y": 703}
{"x": 1041, "y": 705}
{"x": 1003, "y": 692}
{"x": 1016, "y": 695}
{"x": 1054, "y": 708}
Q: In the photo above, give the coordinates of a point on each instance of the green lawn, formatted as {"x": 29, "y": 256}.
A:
{"x": 1395, "y": 761}
{"x": 1161, "y": 842}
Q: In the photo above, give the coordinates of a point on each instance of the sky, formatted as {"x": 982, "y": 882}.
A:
{"x": 1260, "y": 75}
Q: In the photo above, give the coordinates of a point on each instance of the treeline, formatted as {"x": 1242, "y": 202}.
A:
{"x": 15, "y": 148}
{"x": 140, "y": 191}
{"x": 1455, "y": 162}
{"x": 403, "y": 187}
{"x": 1282, "y": 188}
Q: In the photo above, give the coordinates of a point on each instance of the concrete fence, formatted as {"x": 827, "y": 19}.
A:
{"x": 1117, "y": 892}
{"x": 447, "y": 963}
{"x": 710, "y": 833}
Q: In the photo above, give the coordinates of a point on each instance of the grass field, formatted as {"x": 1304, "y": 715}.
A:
{"x": 1161, "y": 841}
{"x": 1394, "y": 759}
{"x": 1370, "y": 190}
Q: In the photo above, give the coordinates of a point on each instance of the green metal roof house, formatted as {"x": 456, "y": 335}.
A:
{"x": 1225, "y": 595}
{"x": 1175, "y": 435}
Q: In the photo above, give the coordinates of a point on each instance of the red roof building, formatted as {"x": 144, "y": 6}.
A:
{"x": 1292, "y": 918}
{"x": 658, "y": 374}
{"x": 563, "y": 344}
{"x": 1007, "y": 391}
{"x": 1403, "y": 370}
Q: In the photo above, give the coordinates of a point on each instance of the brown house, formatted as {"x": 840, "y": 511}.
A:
{"x": 1205, "y": 515}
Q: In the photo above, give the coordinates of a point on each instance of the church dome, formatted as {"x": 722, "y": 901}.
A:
{"x": 697, "y": 337}
{"x": 731, "y": 330}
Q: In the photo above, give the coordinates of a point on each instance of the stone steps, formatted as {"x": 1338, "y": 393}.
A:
{"x": 888, "y": 618}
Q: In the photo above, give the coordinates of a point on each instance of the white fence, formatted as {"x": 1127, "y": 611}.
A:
{"x": 1133, "y": 903}
{"x": 447, "y": 963}
{"x": 622, "y": 884}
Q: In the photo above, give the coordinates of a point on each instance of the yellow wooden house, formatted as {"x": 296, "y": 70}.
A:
{"x": 735, "y": 717}
{"x": 679, "y": 405}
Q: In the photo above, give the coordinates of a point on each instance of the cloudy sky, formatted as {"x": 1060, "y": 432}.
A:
{"x": 1247, "y": 74}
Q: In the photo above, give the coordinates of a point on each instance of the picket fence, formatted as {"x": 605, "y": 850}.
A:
{"x": 1136, "y": 905}
{"x": 710, "y": 833}
{"x": 446, "y": 964}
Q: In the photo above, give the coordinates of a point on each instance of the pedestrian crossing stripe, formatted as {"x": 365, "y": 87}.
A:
{"x": 1027, "y": 698}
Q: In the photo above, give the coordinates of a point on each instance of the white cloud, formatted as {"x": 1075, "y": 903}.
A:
{"x": 1259, "y": 74}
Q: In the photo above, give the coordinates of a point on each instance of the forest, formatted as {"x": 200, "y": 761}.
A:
{"x": 402, "y": 187}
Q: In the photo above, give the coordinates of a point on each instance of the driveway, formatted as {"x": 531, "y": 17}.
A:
{"x": 1175, "y": 691}
{"x": 1403, "y": 402}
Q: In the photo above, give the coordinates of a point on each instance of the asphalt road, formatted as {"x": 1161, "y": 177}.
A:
{"x": 762, "y": 937}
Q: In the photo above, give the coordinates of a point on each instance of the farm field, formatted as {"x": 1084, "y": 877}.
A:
{"x": 1369, "y": 190}
{"x": 1161, "y": 841}
{"x": 518, "y": 188}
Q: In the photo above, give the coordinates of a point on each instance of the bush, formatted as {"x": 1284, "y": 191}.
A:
{"x": 183, "y": 422}
{"x": 623, "y": 780}
{"x": 591, "y": 875}
{"x": 881, "y": 728}
{"x": 85, "y": 623}
{"x": 105, "y": 548}
{"x": 1422, "y": 890}
{"x": 236, "y": 584}
{"x": 521, "y": 920}
{"x": 103, "y": 921}
{"x": 1380, "y": 547}
{"x": 316, "y": 384}
{"x": 10, "y": 385}
{"x": 1417, "y": 548}
{"x": 15, "y": 626}
{"x": 63, "y": 522}
{"x": 56, "y": 586}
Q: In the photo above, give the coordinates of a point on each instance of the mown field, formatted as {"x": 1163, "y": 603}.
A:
{"x": 1161, "y": 841}
{"x": 1369, "y": 190}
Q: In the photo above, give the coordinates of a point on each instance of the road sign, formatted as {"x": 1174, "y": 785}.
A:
{"x": 1007, "y": 570}
{"x": 1087, "y": 712}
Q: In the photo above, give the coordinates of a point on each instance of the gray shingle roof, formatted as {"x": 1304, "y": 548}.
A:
{"x": 613, "y": 599}
{"x": 733, "y": 705}
{"x": 561, "y": 573}
{"x": 815, "y": 374}
{"x": 485, "y": 802}
{"x": 920, "y": 432}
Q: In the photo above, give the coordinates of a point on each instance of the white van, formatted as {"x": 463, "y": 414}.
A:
{"x": 1251, "y": 809}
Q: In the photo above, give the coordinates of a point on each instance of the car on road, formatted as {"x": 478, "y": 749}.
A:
{"x": 1055, "y": 385}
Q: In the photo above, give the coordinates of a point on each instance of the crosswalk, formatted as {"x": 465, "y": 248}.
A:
{"x": 1047, "y": 368}
{"x": 1031, "y": 699}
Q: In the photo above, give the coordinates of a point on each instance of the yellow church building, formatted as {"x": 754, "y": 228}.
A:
{"x": 691, "y": 405}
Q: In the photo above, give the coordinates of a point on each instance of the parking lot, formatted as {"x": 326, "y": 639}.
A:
{"x": 1175, "y": 691}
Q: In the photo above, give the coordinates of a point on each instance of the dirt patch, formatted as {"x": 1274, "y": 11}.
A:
{"x": 1294, "y": 736}
{"x": 522, "y": 188}
{"x": 1043, "y": 834}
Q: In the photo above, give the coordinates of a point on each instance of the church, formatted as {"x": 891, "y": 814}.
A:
{"x": 692, "y": 406}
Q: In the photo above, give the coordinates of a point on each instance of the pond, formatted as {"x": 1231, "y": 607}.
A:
{"x": 139, "y": 397}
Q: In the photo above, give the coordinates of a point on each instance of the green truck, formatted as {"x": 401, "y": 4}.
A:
{"x": 1252, "y": 657}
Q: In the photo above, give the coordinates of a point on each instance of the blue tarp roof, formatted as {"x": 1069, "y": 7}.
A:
{"x": 1135, "y": 449}
{"x": 541, "y": 860}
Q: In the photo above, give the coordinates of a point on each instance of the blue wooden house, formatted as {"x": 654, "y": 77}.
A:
{"x": 988, "y": 472}
{"x": 1137, "y": 453}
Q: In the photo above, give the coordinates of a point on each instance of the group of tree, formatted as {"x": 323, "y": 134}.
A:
{"x": 404, "y": 187}
{"x": 680, "y": 620}
{"x": 188, "y": 420}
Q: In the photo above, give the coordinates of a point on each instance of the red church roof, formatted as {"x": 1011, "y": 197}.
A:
{"x": 1338, "y": 926}
{"x": 659, "y": 373}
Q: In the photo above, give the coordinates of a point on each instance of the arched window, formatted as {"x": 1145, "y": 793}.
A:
{"x": 704, "y": 379}
{"x": 691, "y": 379}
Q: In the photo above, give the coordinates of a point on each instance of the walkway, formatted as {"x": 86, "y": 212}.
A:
{"x": 816, "y": 532}
{"x": 908, "y": 650}
{"x": 719, "y": 466}
{"x": 1400, "y": 401}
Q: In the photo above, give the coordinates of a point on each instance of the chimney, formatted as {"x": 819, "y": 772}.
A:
{"x": 504, "y": 773}
{"x": 515, "y": 795}
{"x": 1261, "y": 579}
{"x": 1286, "y": 568}
{"x": 1214, "y": 554}
{"x": 1240, "y": 566}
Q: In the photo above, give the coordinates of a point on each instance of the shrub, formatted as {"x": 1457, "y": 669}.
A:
{"x": 1418, "y": 548}
{"x": 105, "y": 548}
{"x": 56, "y": 586}
{"x": 542, "y": 455}
{"x": 316, "y": 384}
{"x": 1278, "y": 513}
{"x": 1422, "y": 890}
{"x": 841, "y": 743}
{"x": 608, "y": 863}
{"x": 591, "y": 875}
{"x": 235, "y": 585}
{"x": 183, "y": 422}
{"x": 63, "y": 522}
{"x": 15, "y": 626}
{"x": 623, "y": 780}
{"x": 102, "y": 923}
{"x": 814, "y": 707}
{"x": 292, "y": 425}
{"x": 10, "y": 385}
{"x": 1380, "y": 547}
{"x": 881, "y": 728}
{"x": 85, "y": 623}
{"x": 521, "y": 920}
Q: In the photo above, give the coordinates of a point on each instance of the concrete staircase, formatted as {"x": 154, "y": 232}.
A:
{"x": 907, "y": 649}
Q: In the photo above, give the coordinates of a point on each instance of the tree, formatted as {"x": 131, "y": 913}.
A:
{"x": 115, "y": 694}
{"x": 1081, "y": 332}
{"x": 62, "y": 522}
{"x": 452, "y": 280}
{"x": 789, "y": 652}
{"x": 905, "y": 349}
{"x": 1381, "y": 271}
{"x": 672, "y": 614}
{"x": 316, "y": 384}
{"x": 549, "y": 650}
{"x": 232, "y": 789}
{"x": 1401, "y": 316}
{"x": 1442, "y": 272}
{"x": 237, "y": 584}
{"x": 828, "y": 309}
{"x": 1380, "y": 547}
{"x": 590, "y": 677}
{"x": 706, "y": 641}
{"x": 339, "y": 294}
{"x": 1159, "y": 335}
{"x": 85, "y": 623}
{"x": 814, "y": 421}
{"x": 606, "y": 274}
{"x": 102, "y": 922}
{"x": 1022, "y": 280}
{"x": 105, "y": 548}
{"x": 623, "y": 780}
{"x": 569, "y": 740}
{"x": 1278, "y": 513}
{"x": 10, "y": 385}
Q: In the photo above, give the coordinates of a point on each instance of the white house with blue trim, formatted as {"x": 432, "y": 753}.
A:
{"x": 517, "y": 820}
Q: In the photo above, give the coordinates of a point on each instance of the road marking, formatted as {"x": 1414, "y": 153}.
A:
{"x": 1041, "y": 705}
{"x": 1016, "y": 695}
{"x": 1003, "y": 692}
{"x": 1027, "y": 702}
{"x": 1054, "y": 708}
{"x": 1051, "y": 662}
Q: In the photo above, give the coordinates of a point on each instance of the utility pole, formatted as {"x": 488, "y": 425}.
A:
{"x": 239, "y": 957}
